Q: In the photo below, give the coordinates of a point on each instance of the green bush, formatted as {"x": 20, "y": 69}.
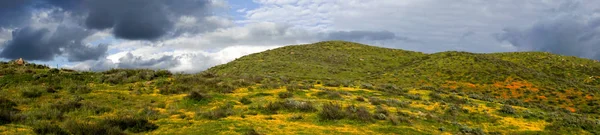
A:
{"x": 131, "y": 124}
{"x": 388, "y": 88}
{"x": 284, "y": 95}
{"x": 435, "y": 96}
{"x": 45, "y": 128}
{"x": 221, "y": 112}
{"x": 380, "y": 110}
{"x": 290, "y": 105}
{"x": 360, "y": 99}
{"x": 397, "y": 103}
{"x": 8, "y": 113}
{"x": 376, "y": 101}
{"x": 80, "y": 89}
{"x": 507, "y": 109}
{"x": 360, "y": 113}
{"x": 471, "y": 131}
{"x": 367, "y": 86}
{"x": 176, "y": 89}
{"x": 31, "y": 92}
{"x": 245, "y": 101}
{"x": 252, "y": 132}
{"x": 67, "y": 106}
{"x": 332, "y": 83}
{"x": 563, "y": 121}
{"x": 329, "y": 94}
{"x": 397, "y": 120}
{"x": 331, "y": 111}
{"x": 88, "y": 128}
{"x": 197, "y": 96}
{"x": 413, "y": 96}
{"x": 53, "y": 71}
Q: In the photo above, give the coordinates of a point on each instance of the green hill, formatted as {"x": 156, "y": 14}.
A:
{"x": 332, "y": 87}
{"x": 504, "y": 76}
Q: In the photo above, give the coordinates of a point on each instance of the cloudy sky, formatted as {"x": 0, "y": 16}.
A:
{"x": 193, "y": 35}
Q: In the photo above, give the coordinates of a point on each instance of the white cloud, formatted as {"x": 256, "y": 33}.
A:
{"x": 182, "y": 60}
{"x": 438, "y": 24}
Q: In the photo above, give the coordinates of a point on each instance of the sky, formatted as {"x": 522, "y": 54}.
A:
{"x": 193, "y": 35}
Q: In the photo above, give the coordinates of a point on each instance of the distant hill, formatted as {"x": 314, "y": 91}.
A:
{"x": 562, "y": 80}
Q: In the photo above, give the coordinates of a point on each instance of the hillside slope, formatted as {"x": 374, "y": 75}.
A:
{"x": 332, "y": 87}
{"x": 525, "y": 78}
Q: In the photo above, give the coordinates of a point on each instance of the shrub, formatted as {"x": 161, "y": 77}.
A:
{"x": 360, "y": 99}
{"x": 332, "y": 83}
{"x": 132, "y": 124}
{"x": 435, "y": 96}
{"x": 507, "y": 109}
{"x": 413, "y": 96}
{"x": 568, "y": 121}
{"x": 396, "y": 120}
{"x": 6, "y": 104}
{"x": 295, "y": 87}
{"x": 472, "y": 131}
{"x": 252, "y": 132}
{"x": 245, "y": 101}
{"x": 225, "y": 88}
{"x": 31, "y": 92}
{"x": 67, "y": 106}
{"x": 396, "y": 103}
{"x": 284, "y": 95}
{"x": 331, "y": 111}
{"x": 44, "y": 128}
{"x": 197, "y": 96}
{"x": 455, "y": 110}
{"x": 381, "y": 110}
{"x": 7, "y": 111}
{"x": 53, "y": 71}
{"x": 290, "y": 105}
{"x": 221, "y": 112}
{"x": 388, "y": 88}
{"x": 359, "y": 113}
{"x": 44, "y": 114}
{"x": 80, "y": 89}
{"x": 456, "y": 100}
{"x": 376, "y": 101}
{"x": 380, "y": 116}
{"x": 176, "y": 89}
{"x": 367, "y": 86}
{"x": 53, "y": 89}
{"x": 87, "y": 128}
{"x": 329, "y": 94}
{"x": 163, "y": 73}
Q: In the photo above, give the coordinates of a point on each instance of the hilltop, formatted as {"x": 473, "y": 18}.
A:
{"x": 331, "y": 87}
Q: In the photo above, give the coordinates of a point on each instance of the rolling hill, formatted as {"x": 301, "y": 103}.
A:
{"x": 331, "y": 87}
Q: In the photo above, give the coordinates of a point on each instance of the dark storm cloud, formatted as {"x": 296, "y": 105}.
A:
{"x": 28, "y": 43}
{"x": 363, "y": 35}
{"x": 129, "y": 19}
{"x": 141, "y": 19}
{"x": 131, "y": 61}
{"x": 575, "y": 35}
{"x": 42, "y": 44}
{"x": 13, "y": 12}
